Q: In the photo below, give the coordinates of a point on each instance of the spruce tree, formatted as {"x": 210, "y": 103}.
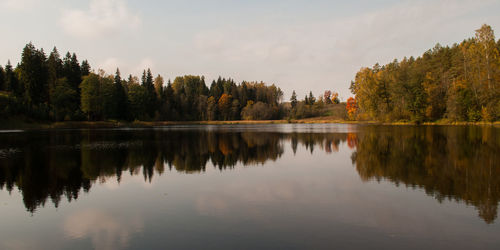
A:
{"x": 85, "y": 68}
{"x": 147, "y": 82}
{"x": 121, "y": 107}
{"x": 2, "y": 79}
{"x": 11, "y": 81}
{"x": 33, "y": 75}
{"x": 293, "y": 100}
{"x": 54, "y": 67}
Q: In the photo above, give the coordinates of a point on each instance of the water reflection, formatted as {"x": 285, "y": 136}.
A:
{"x": 106, "y": 231}
{"x": 459, "y": 163}
{"x": 456, "y": 163}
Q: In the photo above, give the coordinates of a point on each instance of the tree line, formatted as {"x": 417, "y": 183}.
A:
{"x": 51, "y": 88}
{"x": 61, "y": 89}
{"x": 458, "y": 83}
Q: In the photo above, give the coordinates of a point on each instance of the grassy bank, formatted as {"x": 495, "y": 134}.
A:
{"x": 28, "y": 125}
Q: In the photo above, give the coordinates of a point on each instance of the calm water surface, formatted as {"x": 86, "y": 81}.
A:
{"x": 251, "y": 187}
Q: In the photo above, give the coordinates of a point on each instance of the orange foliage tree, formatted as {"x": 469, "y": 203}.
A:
{"x": 351, "y": 108}
{"x": 225, "y": 105}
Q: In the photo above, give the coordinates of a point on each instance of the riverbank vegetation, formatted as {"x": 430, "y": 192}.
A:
{"x": 51, "y": 89}
{"x": 445, "y": 85}
{"x": 455, "y": 84}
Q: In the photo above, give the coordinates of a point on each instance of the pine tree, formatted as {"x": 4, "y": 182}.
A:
{"x": 121, "y": 105}
{"x": 11, "y": 81}
{"x": 2, "y": 79}
{"x": 33, "y": 75}
{"x": 147, "y": 83}
{"x": 293, "y": 100}
{"x": 85, "y": 68}
{"x": 55, "y": 69}
{"x": 312, "y": 99}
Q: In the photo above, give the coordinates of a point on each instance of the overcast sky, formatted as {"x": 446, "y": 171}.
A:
{"x": 298, "y": 45}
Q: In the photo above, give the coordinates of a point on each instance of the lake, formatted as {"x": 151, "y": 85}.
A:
{"x": 293, "y": 186}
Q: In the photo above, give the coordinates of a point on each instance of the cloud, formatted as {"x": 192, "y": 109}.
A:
{"x": 326, "y": 54}
{"x": 104, "y": 17}
{"x": 18, "y": 5}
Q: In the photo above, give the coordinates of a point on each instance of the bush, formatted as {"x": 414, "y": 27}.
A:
{"x": 257, "y": 111}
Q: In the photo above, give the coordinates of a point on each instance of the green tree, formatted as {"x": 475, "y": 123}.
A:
{"x": 2, "y": 79}
{"x": 120, "y": 98}
{"x": 293, "y": 100}
{"x": 137, "y": 97}
{"x": 12, "y": 81}
{"x": 33, "y": 75}
{"x": 91, "y": 97}
{"x": 151, "y": 99}
{"x": 85, "y": 68}
{"x": 63, "y": 100}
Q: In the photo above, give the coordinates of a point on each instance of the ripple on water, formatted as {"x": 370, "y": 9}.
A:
{"x": 11, "y": 131}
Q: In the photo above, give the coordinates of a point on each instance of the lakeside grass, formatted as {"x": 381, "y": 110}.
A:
{"x": 31, "y": 125}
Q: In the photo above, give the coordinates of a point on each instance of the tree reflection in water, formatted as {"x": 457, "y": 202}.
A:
{"x": 456, "y": 163}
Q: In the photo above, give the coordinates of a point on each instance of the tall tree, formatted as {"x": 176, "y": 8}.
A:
{"x": 120, "y": 96}
{"x": 293, "y": 100}
{"x": 91, "y": 101}
{"x": 85, "y": 68}
{"x": 2, "y": 79}
{"x": 33, "y": 75}
{"x": 55, "y": 69}
{"x": 12, "y": 81}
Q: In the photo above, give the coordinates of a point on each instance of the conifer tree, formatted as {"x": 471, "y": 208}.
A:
{"x": 120, "y": 102}
{"x": 11, "y": 81}
{"x": 293, "y": 100}
{"x": 85, "y": 68}
{"x": 2, "y": 79}
{"x": 34, "y": 75}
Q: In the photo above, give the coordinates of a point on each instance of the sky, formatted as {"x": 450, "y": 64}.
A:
{"x": 298, "y": 45}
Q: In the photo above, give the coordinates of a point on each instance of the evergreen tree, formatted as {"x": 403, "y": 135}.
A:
{"x": 85, "y": 68}
{"x": 293, "y": 100}
{"x": 311, "y": 98}
{"x": 120, "y": 96}
{"x": 2, "y": 79}
{"x": 11, "y": 81}
{"x": 33, "y": 75}
{"x": 55, "y": 69}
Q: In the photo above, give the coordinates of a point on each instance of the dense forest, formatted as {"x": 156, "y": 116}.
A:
{"x": 458, "y": 83}
{"x": 49, "y": 88}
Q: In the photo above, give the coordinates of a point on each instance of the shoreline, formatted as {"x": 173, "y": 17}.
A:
{"x": 21, "y": 125}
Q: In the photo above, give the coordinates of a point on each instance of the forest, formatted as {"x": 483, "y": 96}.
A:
{"x": 44, "y": 88}
{"x": 55, "y": 89}
{"x": 457, "y": 83}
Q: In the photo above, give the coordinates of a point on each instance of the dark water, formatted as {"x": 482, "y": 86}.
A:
{"x": 251, "y": 187}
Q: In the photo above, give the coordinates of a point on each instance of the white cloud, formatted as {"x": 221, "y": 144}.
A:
{"x": 103, "y": 17}
{"x": 18, "y": 4}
